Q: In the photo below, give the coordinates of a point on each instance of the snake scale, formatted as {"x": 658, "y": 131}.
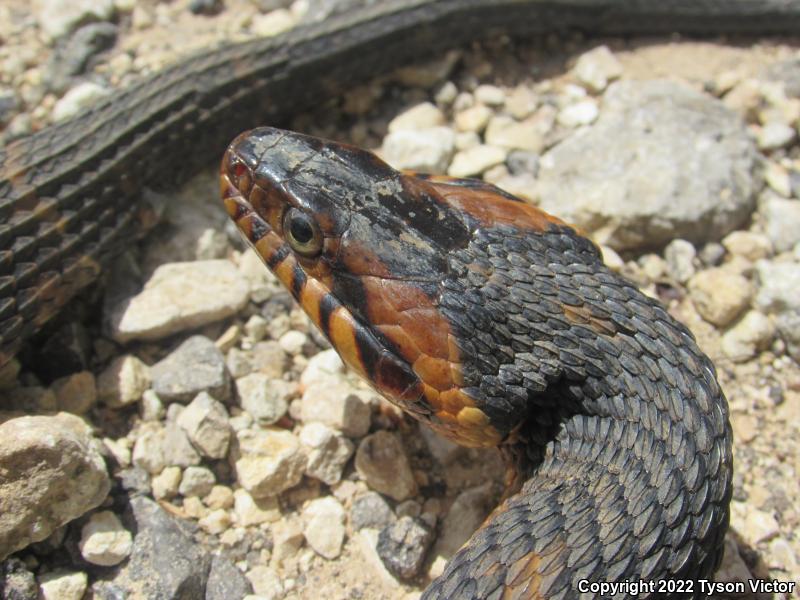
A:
{"x": 494, "y": 323}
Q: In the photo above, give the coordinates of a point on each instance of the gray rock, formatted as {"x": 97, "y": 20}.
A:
{"x": 57, "y": 18}
{"x": 52, "y": 473}
{"x": 466, "y": 514}
{"x": 206, "y": 423}
{"x": 179, "y": 297}
{"x": 76, "y": 393}
{"x": 178, "y": 450}
{"x": 370, "y": 510}
{"x": 195, "y": 366}
{"x": 382, "y": 462}
{"x": 781, "y": 222}
{"x": 225, "y": 581}
{"x": 403, "y": 545}
{"x": 662, "y": 161}
{"x": 165, "y": 561}
{"x": 16, "y": 581}
{"x": 73, "y": 58}
{"x": 267, "y": 461}
{"x": 779, "y": 285}
{"x": 596, "y": 68}
{"x": 148, "y": 450}
{"x": 788, "y": 325}
{"x": 196, "y": 481}
{"x": 265, "y": 399}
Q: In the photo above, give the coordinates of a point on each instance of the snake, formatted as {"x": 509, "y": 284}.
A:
{"x": 494, "y": 323}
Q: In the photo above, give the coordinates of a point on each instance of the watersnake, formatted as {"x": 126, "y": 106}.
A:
{"x": 69, "y": 193}
{"x": 497, "y": 324}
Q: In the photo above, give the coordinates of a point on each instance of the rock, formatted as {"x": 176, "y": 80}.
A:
{"x": 148, "y": 451}
{"x": 733, "y": 569}
{"x": 446, "y": 93}
{"x": 324, "y": 526}
{"x": 267, "y": 461}
{"x": 324, "y": 367}
{"x": 403, "y": 545}
{"x": 720, "y": 295}
{"x": 152, "y": 409}
{"x": 215, "y": 522}
{"x": 581, "y": 113}
{"x": 75, "y": 393}
{"x": 293, "y": 342}
{"x": 712, "y": 254}
{"x": 781, "y": 222}
{"x": 123, "y": 382}
{"x": 327, "y": 451}
{"x": 339, "y": 406}
{"x": 178, "y": 450}
{"x": 788, "y": 325}
{"x": 269, "y": 359}
{"x": 370, "y": 510}
{"x": 782, "y": 556}
{"x": 181, "y": 296}
{"x": 196, "y": 481}
{"x": 165, "y": 561}
{"x": 777, "y": 178}
{"x": 680, "y": 256}
{"x": 778, "y": 285}
{"x": 473, "y": 119}
{"x": 775, "y": 135}
{"x": 475, "y": 161}
{"x": 662, "y": 161}
{"x": 82, "y": 96}
{"x": 265, "y": 399}
{"x": 72, "y": 58}
{"x": 135, "y": 481}
{"x": 759, "y": 526}
{"x": 195, "y": 366}
{"x": 225, "y": 581}
{"x": 442, "y": 449}
{"x": 421, "y": 116}
{"x": 426, "y": 150}
{"x": 529, "y": 134}
{"x": 596, "y": 68}
{"x": 206, "y": 424}
{"x": 287, "y": 538}
{"x": 52, "y": 473}
{"x": 428, "y": 73}
{"x": 16, "y": 581}
{"x": 256, "y": 328}
{"x": 255, "y": 511}
{"x": 266, "y": 583}
{"x": 382, "y": 462}
{"x": 119, "y": 451}
{"x": 466, "y": 514}
{"x": 63, "y": 585}
{"x": 220, "y": 496}
{"x": 748, "y": 245}
{"x": 104, "y": 541}
{"x": 752, "y": 334}
{"x": 58, "y": 18}
{"x": 165, "y": 484}
{"x": 490, "y": 95}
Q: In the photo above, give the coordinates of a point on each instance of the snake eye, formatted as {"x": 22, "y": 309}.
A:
{"x": 302, "y": 233}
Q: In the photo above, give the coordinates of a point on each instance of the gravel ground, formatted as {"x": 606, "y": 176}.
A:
{"x": 224, "y": 433}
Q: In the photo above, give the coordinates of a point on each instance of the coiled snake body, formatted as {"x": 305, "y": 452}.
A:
{"x": 497, "y": 324}
{"x": 492, "y": 322}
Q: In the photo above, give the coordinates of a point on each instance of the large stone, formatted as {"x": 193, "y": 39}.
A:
{"x": 181, "y": 296}
{"x": 327, "y": 451}
{"x": 50, "y": 473}
{"x": 720, "y": 295}
{"x": 337, "y": 405}
{"x": 662, "y": 161}
{"x": 382, "y": 462}
{"x": 268, "y": 461}
{"x": 324, "y": 526}
{"x": 104, "y": 540}
{"x": 206, "y": 423}
{"x": 781, "y": 222}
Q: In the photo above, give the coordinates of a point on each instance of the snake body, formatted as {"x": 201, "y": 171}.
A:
{"x": 68, "y": 194}
{"x": 498, "y": 325}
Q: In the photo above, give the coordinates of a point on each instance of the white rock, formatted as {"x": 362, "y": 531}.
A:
{"x": 268, "y": 461}
{"x": 475, "y": 161}
{"x": 720, "y": 295}
{"x": 63, "y": 585}
{"x": 206, "y": 423}
{"x": 123, "y": 382}
{"x": 148, "y": 451}
{"x": 181, "y": 296}
{"x": 104, "y": 541}
{"x": 82, "y": 96}
{"x": 273, "y": 23}
{"x": 324, "y": 526}
{"x": 596, "y": 68}
{"x": 753, "y": 333}
{"x": 421, "y": 116}
{"x": 778, "y": 287}
{"x": 266, "y": 583}
{"x": 337, "y": 405}
{"x": 680, "y": 256}
{"x": 324, "y": 367}
{"x": 265, "y": 399}
{"x": 473, "y": 118}
{"x": 775, "y": 135}
{"x": 777, "y": 178}
{"x": 747, "y": 244}
{"x": 57, "y": 18}
{"x": 490, "y": 95}
{"x": 255, "y": 511}
{"x": 581, "y": 113}
{"x": 327, "y": 452}
{"x": 292, "y": 342}
{"x": 196, "y": 481}
{"x": 427, "y": 150}
{"x": 216, "y": 521}
{"x": 165, "y": 484}
{"x": 525, "y": 135}
{"x": 781, "y": 222}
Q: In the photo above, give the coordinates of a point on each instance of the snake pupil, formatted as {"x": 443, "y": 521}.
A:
{"x": 301, "y": 230}
{"x": 302, "y": 233}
